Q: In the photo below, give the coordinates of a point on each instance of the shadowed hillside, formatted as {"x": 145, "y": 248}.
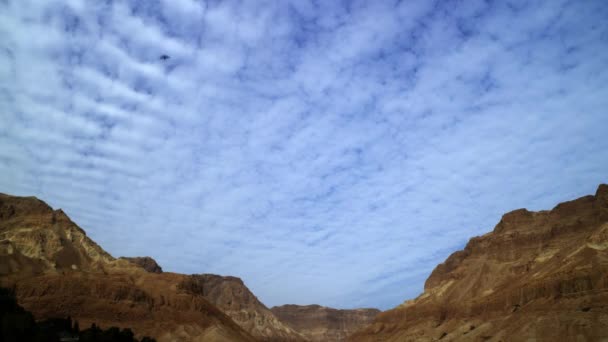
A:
{"x": 17, "y": 324}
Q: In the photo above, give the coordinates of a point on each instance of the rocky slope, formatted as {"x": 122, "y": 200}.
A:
{"x": 234, "y": 298}
{"x": 322, "y": 324}
{"x": 35, "y": 238}
{"x": 231, "y": 296}
{"x": 146, "y": 263}
{"x": 56, "y": 270}
{"x": 539, "y": 276}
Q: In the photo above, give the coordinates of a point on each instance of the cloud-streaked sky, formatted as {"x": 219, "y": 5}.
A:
{"x": 328, "y": 152}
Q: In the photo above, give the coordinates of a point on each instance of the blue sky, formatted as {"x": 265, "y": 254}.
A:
{"x": 328, "y": 152}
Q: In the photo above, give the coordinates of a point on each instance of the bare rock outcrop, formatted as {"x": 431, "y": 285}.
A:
{"x": 147, "y": 263}
{"x": 319, "y": 323}
{"x": 234, "y": 298}
{"x": 540, "y": 276}
{"x": 35, "y": 238}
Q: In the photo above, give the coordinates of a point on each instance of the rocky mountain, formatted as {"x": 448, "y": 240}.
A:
{"x": 231, "y": 296}
{"x": 34, "y": 238}
{"x": 146, "y": 263}
{"x": 55, "y": 270}
{"x": 322, "y": 324}
{"x": 538, "y": 276}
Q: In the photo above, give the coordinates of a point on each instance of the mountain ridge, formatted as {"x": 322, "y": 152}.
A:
{"x": 320, "y": 323}
{"x": 55, "y": 270}
{"x": 535, "y": 271}
{"x": 231, "y": 295}
{"x": 537, "y": 275}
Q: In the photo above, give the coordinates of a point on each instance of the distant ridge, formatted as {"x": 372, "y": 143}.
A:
{"x": 319, "y": 323}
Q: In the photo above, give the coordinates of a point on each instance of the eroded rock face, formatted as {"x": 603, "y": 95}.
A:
{"x": 56, "y": 270}
{"x": 319, "y": 323}
{"x": 146, "y": 263}
{"x": 234, "y": 298}
{"x": 539, "y": 276}
{"x": 35, "y": 238}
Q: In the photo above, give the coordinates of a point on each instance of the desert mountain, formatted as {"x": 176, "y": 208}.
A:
{"x": 231, "y": 296}
{"x": 322, "y": 324}
{"x": 56, "y": 271}
{"x": 538, "y": 276}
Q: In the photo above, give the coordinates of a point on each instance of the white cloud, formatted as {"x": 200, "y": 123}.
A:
{"x": 325, "y": 155}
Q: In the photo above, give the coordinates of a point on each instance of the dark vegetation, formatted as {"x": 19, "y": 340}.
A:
{"x": 18, "y": 325}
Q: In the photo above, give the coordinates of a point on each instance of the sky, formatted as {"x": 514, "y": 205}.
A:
{"x": 328, "y": 152}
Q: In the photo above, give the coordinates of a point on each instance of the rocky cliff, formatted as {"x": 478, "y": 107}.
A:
{"x": 234, "y": 298}
{"x": 35, "y": 238}
{"x": 538, "y": 276}
{"x": 318, "y": 323}
{"x": 56, "y": 270}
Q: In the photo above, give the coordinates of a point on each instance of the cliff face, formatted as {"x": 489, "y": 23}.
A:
{"x": 56, "y": 270}
{"x": 318, "y": 323}
{"x": 234, "y": 298}
{"x": 35, "y": 238}
{"x": 539, "y": 276}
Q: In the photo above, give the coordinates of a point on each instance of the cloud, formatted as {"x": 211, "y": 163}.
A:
{"x": 328, "y": 153}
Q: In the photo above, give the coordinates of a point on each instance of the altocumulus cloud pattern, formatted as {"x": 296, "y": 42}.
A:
{"x": 327, "y": 152}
